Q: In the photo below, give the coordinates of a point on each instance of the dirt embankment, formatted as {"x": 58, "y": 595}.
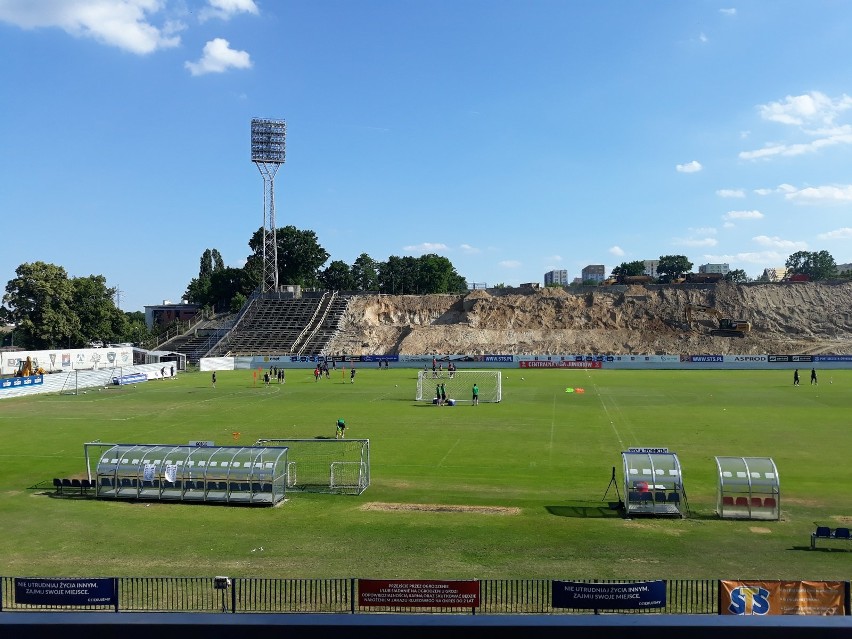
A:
{"x": 785, "y": 318}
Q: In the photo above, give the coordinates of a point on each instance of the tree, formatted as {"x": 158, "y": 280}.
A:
{"x": 365, "y": 273}
{"x": 629, "y": 268}
{"x": 300, "y": 256}
{"x": 40, "y": 300}
{"x": 99, "y": 318}
{"x": 437, "y": 274}
{"x": 819, "y": 265}
{"x": 737, "y": 275}
{"x": 199, "y": 289}
{"x": 672, "y": 266}
{"x": 338, "y": 277}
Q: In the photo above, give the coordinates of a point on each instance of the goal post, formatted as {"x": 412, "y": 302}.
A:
{"x": 339, "y": 466}
{"x": 459, "y": 387}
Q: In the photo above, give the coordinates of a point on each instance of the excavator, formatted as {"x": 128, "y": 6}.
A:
{"x": 727, "y": 327}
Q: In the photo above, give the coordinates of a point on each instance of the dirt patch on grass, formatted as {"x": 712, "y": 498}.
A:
{"x": 441, "y": 508}
{"x": 759, "y": 530}
{"x": 843, "y": 519}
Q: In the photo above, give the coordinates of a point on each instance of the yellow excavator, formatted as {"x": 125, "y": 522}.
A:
{"x": 26, "y": 368}
{"x": 727, "y": 327}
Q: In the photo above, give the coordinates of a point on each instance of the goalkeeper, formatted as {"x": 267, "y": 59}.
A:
{"x": 341, "y": 429}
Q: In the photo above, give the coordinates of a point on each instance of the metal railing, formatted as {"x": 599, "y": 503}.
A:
{"x": 256, "y": 595}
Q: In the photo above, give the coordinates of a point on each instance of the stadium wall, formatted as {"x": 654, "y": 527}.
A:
{"x": 556, "y": 362}
{"x": 61, "y": 360}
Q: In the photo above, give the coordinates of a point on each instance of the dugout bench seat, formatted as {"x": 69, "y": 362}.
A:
{"x": 824, "y": 532}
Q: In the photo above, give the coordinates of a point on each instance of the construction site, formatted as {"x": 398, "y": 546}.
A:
{"x": 720, "y": 318}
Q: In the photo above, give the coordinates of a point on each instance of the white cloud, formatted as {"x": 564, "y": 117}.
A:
{"x": 841, "y": 135}
{"x": 689, "y": 167}
{"x": 218, "y": 57}
{"x": 730, "y": 193}
{"x": 510, "y": 264}
{"x": 814, "y": 114}
{"x": 764, "y": 258}
{"x": 703, "y": 230}
{"x": 702, "y": 37}
{"x": 777, "y": 242}
{"x": 696, "y": 241}
{"x": 728, "y": 12}
{"x": 821, "y": 194}
{"x": 616, "y": 250}
{"x": 553, "y": 258}
{"x": 125, "y": 24}
{"x": 764, "y": 191}
{"x": 844, "y": 233}
{"x": 743, "y": 215}
{"x": 470, "y": 250}
{"x": 425, "y": 247}
{"x": 813, "y": 107}
{"x": 227, "y": 9}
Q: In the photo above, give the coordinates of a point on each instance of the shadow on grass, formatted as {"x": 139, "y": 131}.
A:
{"x": 822, "y": 549}
{"x": 588, "y": 510}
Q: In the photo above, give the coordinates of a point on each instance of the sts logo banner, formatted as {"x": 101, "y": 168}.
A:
{"x": 749, "y": 600}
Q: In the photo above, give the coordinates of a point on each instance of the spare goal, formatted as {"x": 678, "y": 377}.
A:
{"x": 340, "y": 466}
{"x": 459, "y": 385}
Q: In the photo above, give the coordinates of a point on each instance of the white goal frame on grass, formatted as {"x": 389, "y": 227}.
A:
{"x": 459, "y": 387}
{"x": 339, "y": 466}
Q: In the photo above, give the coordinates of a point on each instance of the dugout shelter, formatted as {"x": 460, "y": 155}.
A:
{"x": 653, "y": 483}
{"x": 748, "y": 488}
{"x": 234, "y": 475}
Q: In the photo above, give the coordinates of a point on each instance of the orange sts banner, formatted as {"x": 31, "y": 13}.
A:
{"x": 782, "y": 598}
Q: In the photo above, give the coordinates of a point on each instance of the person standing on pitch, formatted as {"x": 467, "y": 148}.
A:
{"x": 475, "y": 395}
{"x": 437, "y": 394}
{"x": 341, "y": 429}
{"x": 443, "y": 395}
{"x": 352, "y": 375}
{"x": 796, "y": 377}
{"x": 813, "y": 377}
{"x": 214, "y": 379}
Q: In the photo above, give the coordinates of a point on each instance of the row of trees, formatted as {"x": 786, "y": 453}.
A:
{"x": 301, "y": 260}
{"x": 49, "y": 309}
{"x": 819, "y": 265}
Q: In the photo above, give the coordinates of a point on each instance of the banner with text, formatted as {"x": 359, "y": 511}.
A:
{"x": 418, "y": 593}
{"x": 618, "y": 596}
{"x": 66, "y": 592}
{"x": 563, "y": 364}
{"x": 782, "y": 598}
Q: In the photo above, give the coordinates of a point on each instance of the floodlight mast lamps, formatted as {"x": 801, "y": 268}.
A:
{"x": 267, "y": 152}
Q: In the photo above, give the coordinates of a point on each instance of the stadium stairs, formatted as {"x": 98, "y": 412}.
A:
{"x": 284, "y": 326}
{"x": 199, "y": 339}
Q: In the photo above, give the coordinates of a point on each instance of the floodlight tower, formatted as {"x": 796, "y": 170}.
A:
{"x": 267, "y": 152}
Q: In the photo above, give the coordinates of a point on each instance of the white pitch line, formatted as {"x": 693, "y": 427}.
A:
{"x": 452, "y": 448}
{"x": 609, "y": 417}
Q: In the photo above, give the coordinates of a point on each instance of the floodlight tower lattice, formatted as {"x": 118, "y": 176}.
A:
{"x": 267, "y": 152}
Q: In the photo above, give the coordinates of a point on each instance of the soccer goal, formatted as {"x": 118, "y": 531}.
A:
{"x": 339, "y": 466}
{"x": 460, "y": 386}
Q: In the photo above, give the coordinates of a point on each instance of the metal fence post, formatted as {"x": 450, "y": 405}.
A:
{"x": 234, "y": 596}
{"x": 352, "y": 595}
{"x": 115, "y": 590}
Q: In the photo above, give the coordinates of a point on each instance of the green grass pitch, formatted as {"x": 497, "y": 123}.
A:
{"x": 542, "y": 457}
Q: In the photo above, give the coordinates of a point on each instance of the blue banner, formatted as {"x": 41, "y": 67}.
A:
{"x": 19, "y": 382}
{"x": 66, "y": 592}
{"x": 620, "y": 596}
{"x": 833, "y": 358}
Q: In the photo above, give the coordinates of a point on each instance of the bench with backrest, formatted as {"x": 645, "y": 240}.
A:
{"x": 824, "y": 532}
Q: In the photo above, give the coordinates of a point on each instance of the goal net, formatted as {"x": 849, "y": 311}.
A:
{"x": 460, "y": 386}
{"x": 326, "y": 465}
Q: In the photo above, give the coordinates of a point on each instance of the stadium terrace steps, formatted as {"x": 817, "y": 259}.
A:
{"x": 270, "y": 326}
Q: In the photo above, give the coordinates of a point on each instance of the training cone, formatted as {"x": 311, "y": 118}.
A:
{"x": 569, "y": 390}
{"x": 579, "y": 390}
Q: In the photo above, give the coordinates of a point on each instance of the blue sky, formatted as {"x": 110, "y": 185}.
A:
{"x": 512, "y": 137}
